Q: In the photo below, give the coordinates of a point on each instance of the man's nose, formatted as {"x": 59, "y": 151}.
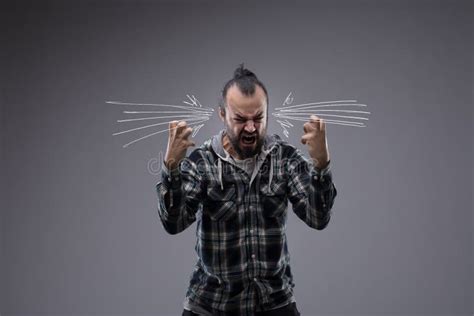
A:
{"x": 249, "y": 126}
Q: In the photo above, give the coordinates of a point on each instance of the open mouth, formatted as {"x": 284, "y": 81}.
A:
{"x": 249, "y": 140}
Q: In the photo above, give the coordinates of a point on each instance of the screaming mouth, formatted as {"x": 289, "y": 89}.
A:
{"x": 248, "y": 139}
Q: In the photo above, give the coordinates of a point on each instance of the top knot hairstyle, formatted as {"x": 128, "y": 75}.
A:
{"x": 245, "y": 81}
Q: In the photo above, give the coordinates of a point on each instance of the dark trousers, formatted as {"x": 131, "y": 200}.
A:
{"x": 288, "y": 310}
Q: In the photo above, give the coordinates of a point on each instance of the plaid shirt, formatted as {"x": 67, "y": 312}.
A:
{"x": 242, "y": 253}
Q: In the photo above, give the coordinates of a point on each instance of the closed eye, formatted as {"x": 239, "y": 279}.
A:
{"x": 243, "y": 120}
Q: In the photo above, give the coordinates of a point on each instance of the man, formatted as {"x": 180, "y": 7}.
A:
{"x": 237, "y": 186}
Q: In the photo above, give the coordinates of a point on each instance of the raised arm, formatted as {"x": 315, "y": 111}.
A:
{"x": 312, "y": 191}
{"x": 179, "y": 190}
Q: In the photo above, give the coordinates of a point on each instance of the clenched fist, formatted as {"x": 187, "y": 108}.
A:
{"x": 178, "y": 143}
{"x": 315, "y": 137}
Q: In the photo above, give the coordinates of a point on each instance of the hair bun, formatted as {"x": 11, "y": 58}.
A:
{"x": 243, "y": 72}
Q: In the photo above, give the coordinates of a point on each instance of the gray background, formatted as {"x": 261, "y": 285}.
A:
{"x": 80, "y": 233}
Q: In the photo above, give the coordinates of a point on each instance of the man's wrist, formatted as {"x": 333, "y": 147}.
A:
{"x": 173, "y": 175}
{"x": 321, "y": 166}
{"x": 171, "y": 164}
{"x": 321, "y": 171}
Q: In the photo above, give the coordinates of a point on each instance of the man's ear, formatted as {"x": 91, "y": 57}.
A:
{"x": 222, "y": 114}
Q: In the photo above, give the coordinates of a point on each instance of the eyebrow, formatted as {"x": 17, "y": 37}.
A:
{"x": 243, "y": 117}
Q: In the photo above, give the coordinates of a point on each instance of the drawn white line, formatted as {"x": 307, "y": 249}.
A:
{"x": 194, "y": 101}
{"x": 196, "y": 129}
{"x": 161, "y": 123}
{"x": 161, "y": 105}
{"x": 319, "y": 106}
{"x": 159, "y": 117}
{"x": 327, "y": 121}
{"x": 288, "y": 100}
{"x": 331, "y": 115}
{"x": 313, "y": 103}
{"x": 149, "y": 112}
{"x": 317, "y": 111}
{"x": 285, "y": 123}
{"x": 161, "y": 131}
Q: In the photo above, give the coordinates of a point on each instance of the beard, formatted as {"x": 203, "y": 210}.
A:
{"x": 245, "y": 149}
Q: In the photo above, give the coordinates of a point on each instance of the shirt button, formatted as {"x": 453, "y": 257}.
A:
{"x": 324, "y": 205}
{"x": 315, "y": 178}
{"x": 255, "y": 279}
{"x": 253, "y": 255}
{"x": 251, "y": 231}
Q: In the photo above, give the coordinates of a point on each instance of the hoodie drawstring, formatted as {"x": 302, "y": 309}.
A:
{"x": 219, "y": 170}
{"x": 271, "y": 175}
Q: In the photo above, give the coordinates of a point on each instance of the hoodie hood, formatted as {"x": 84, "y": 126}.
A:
{"x": 269, "y": 143}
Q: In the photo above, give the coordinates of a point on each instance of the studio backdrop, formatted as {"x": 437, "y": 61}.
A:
{"x": 80, "y": 232}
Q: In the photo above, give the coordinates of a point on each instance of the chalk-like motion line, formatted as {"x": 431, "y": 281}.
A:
{"x": 162, "y": 123}
{"x": 152, "y": 112}
{"x": 332, "y": 115}
{"x": 161, "y": 117}
{"x": 194, "y": 109}
{"x": 337, "y": 122}
{"x": 161, "y": 131}
{"x": 317, "y": 111}
{"x": 315, "y": 103}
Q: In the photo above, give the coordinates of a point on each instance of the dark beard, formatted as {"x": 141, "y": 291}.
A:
{"x": 244, "y": 153}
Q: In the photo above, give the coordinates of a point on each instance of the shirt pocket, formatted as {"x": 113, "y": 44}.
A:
{"x": 220, "y": 204}
{"x": 273, "y": 198}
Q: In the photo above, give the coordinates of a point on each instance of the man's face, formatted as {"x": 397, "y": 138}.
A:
{"x": 245, "y": 121}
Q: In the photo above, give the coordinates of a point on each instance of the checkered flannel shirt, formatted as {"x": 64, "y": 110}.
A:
{"x": 242, "y": 254}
